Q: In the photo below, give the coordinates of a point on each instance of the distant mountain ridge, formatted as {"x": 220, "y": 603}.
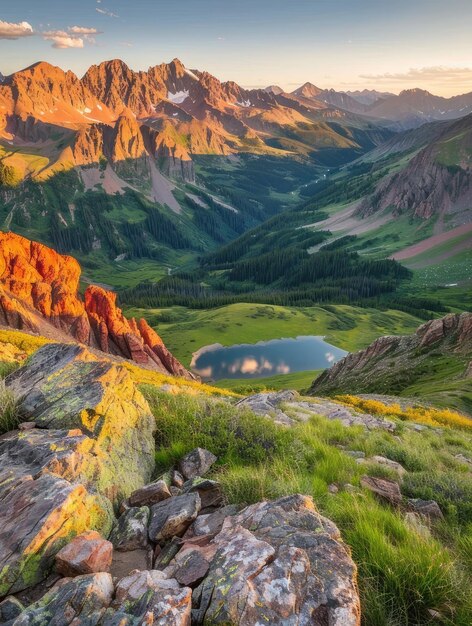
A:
{"x": 409, "y": 109}
{"x": 369, "y": 96}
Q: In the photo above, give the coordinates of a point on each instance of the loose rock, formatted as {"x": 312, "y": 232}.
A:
{"x": 196, "y": 463}
{"x": 388, "y": 490}
{"x": 210, "y": 492}
{"x": 172, "y": 517}
{"x": 131, "y": 530}
{"x": 426, "y": 508}
{"x": 150, "y": 494}
{"x": 149, "y": 597}
{"x": 393, "y": 465}
{"x": 72, "y": 601}
{"x": 85, "y": 554}
{"x": 9, "y": 609}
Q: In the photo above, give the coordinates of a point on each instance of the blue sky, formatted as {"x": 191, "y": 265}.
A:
{"x": 344, "y": 44}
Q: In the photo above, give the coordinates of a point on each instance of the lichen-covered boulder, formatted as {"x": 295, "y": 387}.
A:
{"x": 149, "y": 597}
{"x": 37, "y": 518}
{"x": 92, "y": 445}
{"x": 72, "y": 601}
{"x": 67, "y": 387}
{"x": 278, "y": 563}
{"x": 131, "y": 530}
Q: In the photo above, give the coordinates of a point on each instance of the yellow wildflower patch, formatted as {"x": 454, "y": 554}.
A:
{"x": 420, "y": 414}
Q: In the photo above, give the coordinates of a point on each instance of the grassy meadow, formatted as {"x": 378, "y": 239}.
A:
{"x": 185, "y": 331}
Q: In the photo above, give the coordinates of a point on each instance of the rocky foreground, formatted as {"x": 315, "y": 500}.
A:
{"x": 39, "y": 294}
{"x": 86, "y": 538}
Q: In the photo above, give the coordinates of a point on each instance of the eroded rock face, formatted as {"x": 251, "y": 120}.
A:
{"x": 33, "y": 276}
{"x": 65, "y": 386}
{"x": 427, "y": 186}
{"x": 39, "y": 287}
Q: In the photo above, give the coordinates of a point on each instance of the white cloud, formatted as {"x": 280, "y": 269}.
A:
{"x": 74, "y": 37}
{"x": 83, "y": 30}
{"x": 439, "y": 73}
{"x": 9, "y": 30}
{"x": 62, "y": 40}
{"x": 106, "y": 12}
{"x": 330, "y": 357}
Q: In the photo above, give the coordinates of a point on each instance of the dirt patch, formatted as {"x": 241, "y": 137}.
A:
{"x": 346, "y": 221}
{"x": 110, "y": 181}
{"x": 436, "y": 240}
{"x": 197, "y": 200}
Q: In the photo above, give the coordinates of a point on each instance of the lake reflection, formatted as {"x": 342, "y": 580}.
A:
{"x": 266, "y": 358}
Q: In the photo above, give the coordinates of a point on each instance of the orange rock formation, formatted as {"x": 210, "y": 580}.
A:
{"x": 38, "y": 285}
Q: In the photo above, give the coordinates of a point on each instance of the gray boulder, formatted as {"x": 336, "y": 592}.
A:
{"x": 196, "y": 463}
{"x": 172, "y": 517}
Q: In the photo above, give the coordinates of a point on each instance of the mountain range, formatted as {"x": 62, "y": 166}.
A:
{"x": 168, "y": 112}
{"x": 409, "y": 109}
{"x": 122, "y": 165}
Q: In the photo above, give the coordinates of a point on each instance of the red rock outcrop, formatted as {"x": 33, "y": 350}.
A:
{"x": 39, "y": 292}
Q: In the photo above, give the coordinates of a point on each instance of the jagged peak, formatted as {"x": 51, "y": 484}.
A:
{"x": 177, "y": 63}
{"x": 274, "y": 89}
{"x": 115, "y": 65}
{"x": 415, "y": 92}
{"x": 308, "y": 88}
{"x": 41, "y": 67}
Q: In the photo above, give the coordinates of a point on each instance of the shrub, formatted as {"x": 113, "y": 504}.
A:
{"x": 423, "y": 415}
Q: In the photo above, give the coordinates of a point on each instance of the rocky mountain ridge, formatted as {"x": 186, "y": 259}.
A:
{"x": 409, "y": 109}
{"x": 393, "y": 363}
{"x": 39, "y": 293}
{"x": 436, "y": 182}
{"x": 171, "y": 112}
